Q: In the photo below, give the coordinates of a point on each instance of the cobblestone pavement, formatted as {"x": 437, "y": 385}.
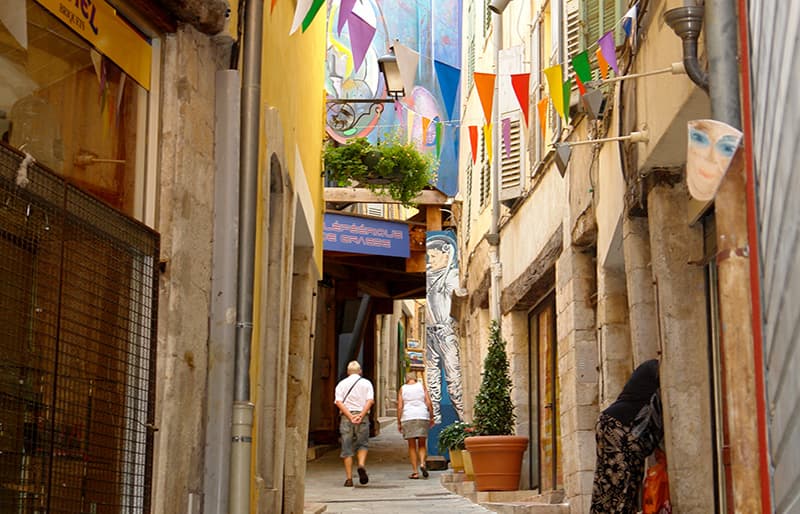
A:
{"x": 389, "y": 490}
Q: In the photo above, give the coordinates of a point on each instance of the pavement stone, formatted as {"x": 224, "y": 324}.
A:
{"x": 389, "y": 490}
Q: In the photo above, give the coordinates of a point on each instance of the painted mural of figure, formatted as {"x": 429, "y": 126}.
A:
{"x": 441, "y": 352}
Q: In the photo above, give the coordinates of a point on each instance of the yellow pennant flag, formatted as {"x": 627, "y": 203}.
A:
{"x": 555, "y": 85}
{"x": 487, "y": 137}
{"x": 409, "y": 125}
{"x": 601, "y": 61}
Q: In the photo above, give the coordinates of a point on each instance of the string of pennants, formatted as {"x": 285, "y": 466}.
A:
{"x": 362, "y": 33}
{"x": 559, "y": 90}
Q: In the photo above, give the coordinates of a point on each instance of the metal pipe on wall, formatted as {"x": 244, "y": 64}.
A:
{"x": 242, "y": 418}
{"x": 741, "y": 367}
{"x": 493, "y": 237}
{"x": 222, "y": 331}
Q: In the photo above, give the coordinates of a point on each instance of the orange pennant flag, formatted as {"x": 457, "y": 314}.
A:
{"x": 426, "y": 122}
{"x": 542, "y": 108}
{"x": 272, "y": 7}
{"x": 484, "y": 82}
{"x": 601, "y": 61}
{"x": 473, "y": 141}
{"x": 487, "y": 137}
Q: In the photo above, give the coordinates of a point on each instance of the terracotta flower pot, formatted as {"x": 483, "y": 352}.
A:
{"x": 497, "y": 460}
{"x": 456, "y": 461}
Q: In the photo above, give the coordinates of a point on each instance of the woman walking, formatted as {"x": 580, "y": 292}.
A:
{"x": 414, "y": 418}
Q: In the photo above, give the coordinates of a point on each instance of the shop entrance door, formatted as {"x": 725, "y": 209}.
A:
{"x": 546, "y": 473}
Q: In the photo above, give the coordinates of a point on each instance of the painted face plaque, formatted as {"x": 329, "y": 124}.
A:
{"x": 712, "y": 145}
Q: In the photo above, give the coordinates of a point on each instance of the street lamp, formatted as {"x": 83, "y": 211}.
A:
{"x": 498, "y": 6}
{"x": 391, "y": 74}
{"x": 343, "y": 113}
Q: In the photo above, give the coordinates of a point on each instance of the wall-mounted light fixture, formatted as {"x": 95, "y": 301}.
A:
{"x": 564, "y": 149}
{"x": 342, "y": 113}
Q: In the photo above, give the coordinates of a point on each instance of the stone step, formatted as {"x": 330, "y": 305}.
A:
{"x": 506, "y": 502}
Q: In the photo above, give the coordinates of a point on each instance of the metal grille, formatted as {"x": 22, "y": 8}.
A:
{"x": 78, "y": 307}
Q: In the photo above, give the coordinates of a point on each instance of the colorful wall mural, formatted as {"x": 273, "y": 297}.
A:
{"x": 442, "y": 360}
{"x": 424, "y": 33}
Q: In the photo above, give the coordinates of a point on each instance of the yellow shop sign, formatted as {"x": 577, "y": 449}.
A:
{"x": 98, "y": 23}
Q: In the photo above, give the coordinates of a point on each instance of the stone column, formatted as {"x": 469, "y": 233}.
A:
{"x": 301, "y": 357}
{"x": 613, "y": 333}
{"x": 641, "y": 296}
{"x": 577, "y": 371}
{"x": 677, "y": 251}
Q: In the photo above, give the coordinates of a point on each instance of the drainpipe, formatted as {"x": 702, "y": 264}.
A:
{"x": 242, "y": 418}
{"x": 493, "y": 237}
{"x": 736, "y": 249}
{"x": 741, "y": 367}
{"x": 687, "y": 21}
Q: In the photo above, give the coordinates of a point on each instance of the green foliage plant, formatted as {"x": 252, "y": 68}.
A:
{"x": 452, "y": 436}
{"x": 494, "y": 411}
{"x": 389, "y": 167}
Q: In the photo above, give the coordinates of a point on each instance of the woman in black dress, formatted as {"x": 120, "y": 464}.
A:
{"x": 628, "y": 431}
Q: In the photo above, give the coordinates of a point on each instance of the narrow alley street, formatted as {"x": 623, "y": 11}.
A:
{"x": 389, "y": 489}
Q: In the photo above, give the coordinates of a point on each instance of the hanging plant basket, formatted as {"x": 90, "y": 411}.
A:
{"x": 398, "y": 170}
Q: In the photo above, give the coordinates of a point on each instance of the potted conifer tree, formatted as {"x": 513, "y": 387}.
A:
{"x": 496, "y": 452}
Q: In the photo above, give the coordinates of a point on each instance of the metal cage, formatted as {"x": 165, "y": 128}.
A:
{"x": 78, "y": 309}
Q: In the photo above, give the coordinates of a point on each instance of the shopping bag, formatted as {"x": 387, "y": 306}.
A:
{"x": 655, "y": 497}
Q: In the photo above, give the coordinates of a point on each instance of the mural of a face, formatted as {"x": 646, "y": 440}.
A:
{"x": 712, "y": 145}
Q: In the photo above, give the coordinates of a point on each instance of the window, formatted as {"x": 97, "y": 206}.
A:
{"x": 587, "y": 21}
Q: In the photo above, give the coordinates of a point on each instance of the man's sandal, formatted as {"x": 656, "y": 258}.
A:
{"x": 413, "y": 476}
{"x": 424, "y": 471}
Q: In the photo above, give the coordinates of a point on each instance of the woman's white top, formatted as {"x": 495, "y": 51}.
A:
{"x": 414, "y": 406}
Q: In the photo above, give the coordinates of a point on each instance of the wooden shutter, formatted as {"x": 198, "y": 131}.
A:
{"x": 512, "y": 165}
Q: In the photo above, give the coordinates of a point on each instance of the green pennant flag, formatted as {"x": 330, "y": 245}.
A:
{"x": 312, "y": 12}
{"x": 580, "y": 63}
{"x": 567, "y": 95}
{"x": 438, "y": 138}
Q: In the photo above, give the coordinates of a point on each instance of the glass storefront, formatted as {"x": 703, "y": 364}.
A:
{"x": 67, "y": 104}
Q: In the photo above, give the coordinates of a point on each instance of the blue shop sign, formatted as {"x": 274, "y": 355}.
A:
{"x": 361, "y": 235}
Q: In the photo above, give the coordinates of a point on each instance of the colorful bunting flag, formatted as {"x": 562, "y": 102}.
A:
{"x": 507, "y": 136}
{"x": 312, "y": 12}
{"x": 484, "y": 82}
{"x": 567, "y": 98}
{"x": 300, "y": 12}
{"x": 345, "y": 8}
{"x": 439, "y": 139}
{"x": 448, "y": 78}
{"x": 487, "y": 137}
{"x": 583, "y": 70}
{"x": 361, "y": 34}
{"x": 601, "y": 61}
{"x": 609, "y": 50}
{"x": 555, "y": 86}
{"x": 407, "y": 61}
{"x": 473, "y": 141}
{"x": 409, "y": 125}
{"x": 272, "y": 6}
{"x": 521, "y": 84}
{"x": 629, "y": 25}
{"x": 426, "y": 123}
{"x": 541, "y": 107}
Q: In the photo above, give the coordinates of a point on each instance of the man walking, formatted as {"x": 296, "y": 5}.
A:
{"x": 354, "y": 397}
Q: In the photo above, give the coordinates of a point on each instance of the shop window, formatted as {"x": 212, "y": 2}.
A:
{"x": 69, "y": 106}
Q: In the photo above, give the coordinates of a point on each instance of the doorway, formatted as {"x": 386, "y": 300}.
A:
{"x": 545, "y": 462}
